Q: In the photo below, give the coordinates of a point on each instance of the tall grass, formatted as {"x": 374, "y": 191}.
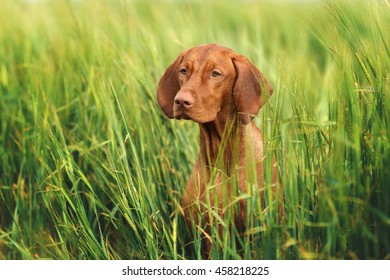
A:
{"x": 91, "y": 169}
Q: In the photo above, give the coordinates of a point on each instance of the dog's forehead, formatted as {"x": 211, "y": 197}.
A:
{"x": 208, "y": 53}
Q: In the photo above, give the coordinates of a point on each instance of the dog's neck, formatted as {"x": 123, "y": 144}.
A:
{"x": 218, "y": 139}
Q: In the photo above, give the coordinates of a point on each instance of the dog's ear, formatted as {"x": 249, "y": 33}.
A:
{"x": 169, "y": 86}
{"x": 251, "y": 89}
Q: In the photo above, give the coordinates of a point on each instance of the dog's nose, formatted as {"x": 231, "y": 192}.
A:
{"x": 184, "y": 100}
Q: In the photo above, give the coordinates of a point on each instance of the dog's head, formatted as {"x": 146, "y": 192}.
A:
{"x": 207, "y": 78}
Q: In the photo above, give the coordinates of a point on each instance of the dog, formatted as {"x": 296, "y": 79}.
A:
{"x": 222, "y": 91}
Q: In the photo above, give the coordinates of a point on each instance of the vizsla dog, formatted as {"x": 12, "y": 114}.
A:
{"x": 222, "y": 91}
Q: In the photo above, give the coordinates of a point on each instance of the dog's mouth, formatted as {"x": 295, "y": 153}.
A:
{"x": 182, "y": 114}
{"x": 195, "y": 116}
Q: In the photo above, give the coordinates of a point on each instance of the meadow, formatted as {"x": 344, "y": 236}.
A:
{"x": 90, "y": 168}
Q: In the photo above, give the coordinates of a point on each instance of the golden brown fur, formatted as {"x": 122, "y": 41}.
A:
{"x": 222, "y": 91}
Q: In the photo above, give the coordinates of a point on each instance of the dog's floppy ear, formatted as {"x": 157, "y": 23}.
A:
{"x": 251, "y": 89}
{"x": 169, "y": 86}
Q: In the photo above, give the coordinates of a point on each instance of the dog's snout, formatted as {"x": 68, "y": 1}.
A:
{"x": 184, "y": 100}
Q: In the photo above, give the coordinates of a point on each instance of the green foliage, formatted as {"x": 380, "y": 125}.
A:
{"x": 90, "y": 168}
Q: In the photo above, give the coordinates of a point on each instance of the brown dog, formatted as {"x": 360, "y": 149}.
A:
{"x": 222, "y": 91}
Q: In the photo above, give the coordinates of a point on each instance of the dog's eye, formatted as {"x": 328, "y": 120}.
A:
{"x": 215, "y": 73}
{"x": 183, "y": 71}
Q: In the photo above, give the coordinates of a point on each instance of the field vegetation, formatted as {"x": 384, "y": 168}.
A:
{"x": 90, "y": 168}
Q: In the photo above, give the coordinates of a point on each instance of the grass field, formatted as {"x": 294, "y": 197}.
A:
{"x": 90, "y": 168}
